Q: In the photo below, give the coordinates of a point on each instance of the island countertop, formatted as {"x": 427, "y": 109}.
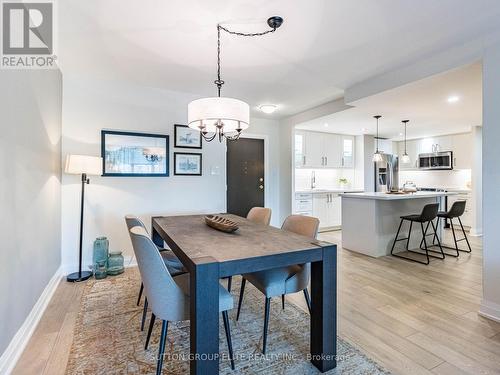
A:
{"x": 385, "y": 196}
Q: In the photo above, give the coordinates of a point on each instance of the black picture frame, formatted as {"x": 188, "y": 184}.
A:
{"x": 177, "y": 128}
{"x": 179, "y": 173}
{"x": 165, "y": 161}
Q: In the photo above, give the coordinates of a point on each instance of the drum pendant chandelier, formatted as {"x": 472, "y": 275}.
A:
{"x": 220, "y": 117}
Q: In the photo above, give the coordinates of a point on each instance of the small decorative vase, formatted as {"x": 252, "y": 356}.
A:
{"x": 101, "y": 250}
{"x": 115, "y": 263}
{"x": 100, "y": 270}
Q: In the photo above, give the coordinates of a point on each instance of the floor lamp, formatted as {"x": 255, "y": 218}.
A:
{"x": 84, "y": 166}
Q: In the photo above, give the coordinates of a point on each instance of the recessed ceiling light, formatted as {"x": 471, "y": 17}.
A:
{"x": 268, "y": 108}
{"x": 325, "y": 125}
{"x": 400, "y": 134}
{"x": 453, "y": 99}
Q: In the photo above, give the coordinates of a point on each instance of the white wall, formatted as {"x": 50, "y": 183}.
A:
{"x": 490, "y": 305}
{"x": 477, "y": 181}
{"x": 456, "y": 178}
{"x": 325, "y": 178}
{"x": 30, "y": 187}
{"x": 89, "y": 107}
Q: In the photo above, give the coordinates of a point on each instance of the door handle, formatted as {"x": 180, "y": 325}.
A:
{"x": 303, "y": 160}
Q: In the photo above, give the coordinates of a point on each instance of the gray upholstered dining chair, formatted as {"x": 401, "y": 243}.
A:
{"x": 259, "y": 215}
{"x": 169, "y": 296}
{"x": 283, "y": 280}
{"x": 173, "y": 263}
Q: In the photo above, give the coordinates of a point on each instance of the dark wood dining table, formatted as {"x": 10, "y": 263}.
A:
{"x": 209, "y": 255}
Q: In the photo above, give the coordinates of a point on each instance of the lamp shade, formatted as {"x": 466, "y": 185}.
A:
{"x": 79, "y": 164}
{"x": 206, "y": 112}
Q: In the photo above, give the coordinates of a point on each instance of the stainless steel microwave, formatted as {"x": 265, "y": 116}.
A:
{"x": 436, "y": 160}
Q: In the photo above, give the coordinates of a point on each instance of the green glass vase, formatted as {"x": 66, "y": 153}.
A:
{"x": 115, "y": 263}
{"x": 101, "y": 251}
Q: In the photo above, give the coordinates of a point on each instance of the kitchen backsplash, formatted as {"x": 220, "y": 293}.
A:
{"x": 440, "y": 179}
{"x": 325, "y": 178}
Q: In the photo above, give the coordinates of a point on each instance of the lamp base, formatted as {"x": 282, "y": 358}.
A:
{"x": 76, "y": 278}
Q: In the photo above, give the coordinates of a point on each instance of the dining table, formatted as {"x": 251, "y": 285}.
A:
{"x": 209, "y": 255}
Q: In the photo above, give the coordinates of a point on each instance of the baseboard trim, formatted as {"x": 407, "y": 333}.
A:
{"x": 476, "y": 232}
{"x": 490, "y": 310}
{"x": 18, "y": 343}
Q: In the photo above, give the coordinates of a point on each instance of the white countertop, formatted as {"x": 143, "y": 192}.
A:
{"x": 312, "y": 191}
{"x": 385, "y": 196}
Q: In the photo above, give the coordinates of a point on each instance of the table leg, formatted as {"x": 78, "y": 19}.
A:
{"x": 324, "y": 310}
{"x": 157, "y": 239}
{"x": 204, "y": 310}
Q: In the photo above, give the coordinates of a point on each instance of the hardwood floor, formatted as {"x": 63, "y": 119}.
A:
{"x": 410, "y": 318}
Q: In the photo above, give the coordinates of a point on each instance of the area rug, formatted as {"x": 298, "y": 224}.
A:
{"x": 108, "y": 340}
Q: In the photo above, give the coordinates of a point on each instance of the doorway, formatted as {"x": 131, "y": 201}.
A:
{"x": 245, "y": 175}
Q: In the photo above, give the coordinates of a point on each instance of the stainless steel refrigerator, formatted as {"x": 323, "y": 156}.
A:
{"x": 387, "y": 173}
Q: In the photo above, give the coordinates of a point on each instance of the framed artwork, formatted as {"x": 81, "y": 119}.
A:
{"x": 187, "y": 164}
{"x": 185, "y": 137}
{"x": 127, "y": 154}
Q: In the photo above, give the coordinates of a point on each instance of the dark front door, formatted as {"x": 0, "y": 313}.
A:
{"x": 245, "y": 175}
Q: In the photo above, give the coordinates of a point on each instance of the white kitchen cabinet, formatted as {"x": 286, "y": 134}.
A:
{"x": 323, "y": 150}
{"x": 335, "y": 210}
{"x": 300, "y": 149}
{"x": 320, "y": 208}
{"x": 462, "y": 151}
{"x": 467, "y": 216}
{"x": 332, "y": 149}
{"x": 460, "y": 144}
{"x": 314, "y": 149}
{"x": 327, "y": 208}
{"x": 347, "y": 145}
{"x": 411, "y": 150}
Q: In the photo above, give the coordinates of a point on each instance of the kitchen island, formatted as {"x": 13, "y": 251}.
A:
{"x": 370, "y": 220}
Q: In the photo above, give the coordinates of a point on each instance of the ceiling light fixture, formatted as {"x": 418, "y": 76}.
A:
{"x": 218, "y": 116}
{"x": 325, "y": 125}
{"x": 377, "y": 156}
{"x": 268, "y": 108}
{"x": 405, "y": 159}
{"x": 453, "y": 99}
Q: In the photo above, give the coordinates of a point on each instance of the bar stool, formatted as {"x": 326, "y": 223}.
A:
{"x": 456, "y": 210}
{"x": 428, "y": 214}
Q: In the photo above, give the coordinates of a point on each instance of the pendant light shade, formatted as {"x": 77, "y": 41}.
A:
{"x": 377, "y": 156}
{"x": 405, "y": 158}
{"x": 205, "y": 114}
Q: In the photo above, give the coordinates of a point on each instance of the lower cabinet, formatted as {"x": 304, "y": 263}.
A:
{"x": 467, "y": 216}
{"x": 327, "y": 208}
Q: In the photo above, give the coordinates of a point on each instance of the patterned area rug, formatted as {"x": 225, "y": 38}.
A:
{"x": 108, "y": 339}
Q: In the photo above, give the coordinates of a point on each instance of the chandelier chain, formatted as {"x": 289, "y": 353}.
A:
{"x": 219, "y": 82}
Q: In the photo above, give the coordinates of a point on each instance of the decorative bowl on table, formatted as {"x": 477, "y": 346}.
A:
{"x": 221, "y": 223}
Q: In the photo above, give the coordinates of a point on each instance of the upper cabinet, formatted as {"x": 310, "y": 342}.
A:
{"x": 300, "y": 149}
{"x": 347, "y": 151}
{"x": 323, "y": 150}
{"x": 458, "y": 143}
{"x": 462, "y": 151}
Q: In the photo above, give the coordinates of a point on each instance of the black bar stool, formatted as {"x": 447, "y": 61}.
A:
{"x": 428, "y": 214}
{"x": 456, "y": 210}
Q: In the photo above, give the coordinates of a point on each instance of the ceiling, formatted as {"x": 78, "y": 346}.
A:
{"x": 323, "y": 47}
{"x": 424, "y": 103}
